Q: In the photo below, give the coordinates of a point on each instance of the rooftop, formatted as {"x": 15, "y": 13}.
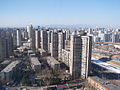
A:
{"x": 106, "y": 84}
{"x": 35, "y": 61}
{"x": 10, "y": 66}
{"x": 6, "y": 62}
{"x": 41, "y": 50}
{"x": 52, "y": 60}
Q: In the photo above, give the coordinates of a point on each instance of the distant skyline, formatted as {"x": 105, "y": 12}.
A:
{"x": 16, "y": 13}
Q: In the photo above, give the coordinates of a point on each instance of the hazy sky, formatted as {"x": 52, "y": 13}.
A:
{"x": 67, "y": 12}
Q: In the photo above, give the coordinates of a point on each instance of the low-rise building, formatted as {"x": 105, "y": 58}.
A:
{"x": 100, "y": 84}
{"x": 66, "y": 56}
{"x": 35, "y": 64}
{"x": 55, "y": 65}
{"x": 8, "y": 72}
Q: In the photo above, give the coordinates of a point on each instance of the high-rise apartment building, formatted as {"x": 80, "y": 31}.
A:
{"x": 2, "y": 47}
{"x": 6, "y": 44}
{"x": 9, "y": 45}
{"x": 54, "y": 44}
{"x": 61, "y": 44}
{"x": 37, "y": 39}
{"x": 80, "y": 55}
{"x": 33, "y": 39}
{"x": 14, "y": 36}
{"x": 44, "y": 40}
{"x": 49, "y": 39}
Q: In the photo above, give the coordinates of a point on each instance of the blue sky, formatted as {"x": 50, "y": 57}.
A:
{"x": 66, "y": 12}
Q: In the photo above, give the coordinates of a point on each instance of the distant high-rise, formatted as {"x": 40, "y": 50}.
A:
{"x": 107, "y": 38}
{"x": 67, "y": 34}
{"x": 90, "y": 30}
{"x": 38, "y": 27}
{"x": 115, "y": 37}
{"x": 80, "y": 55}
{"x": 25, "y": 35}
{"x": 18, "y": 37}
{"x": 29, "y": 30}
{"x": 101, "y": 35}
